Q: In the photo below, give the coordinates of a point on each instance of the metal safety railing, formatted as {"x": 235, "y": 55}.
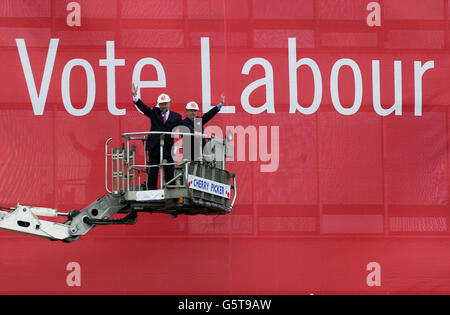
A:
{"x": 126, "y": 174}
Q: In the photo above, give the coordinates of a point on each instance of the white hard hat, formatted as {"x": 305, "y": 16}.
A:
{"x": 163, "y": 98}
{"x": 192, "y": 105}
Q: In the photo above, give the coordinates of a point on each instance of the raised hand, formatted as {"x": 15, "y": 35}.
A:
{"x": 134, "y": 89}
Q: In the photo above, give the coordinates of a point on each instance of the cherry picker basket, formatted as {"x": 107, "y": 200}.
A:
{"x": 198, "y": 187}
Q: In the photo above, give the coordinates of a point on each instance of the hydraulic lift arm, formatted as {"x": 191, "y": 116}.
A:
{"x": 24, "y": 219}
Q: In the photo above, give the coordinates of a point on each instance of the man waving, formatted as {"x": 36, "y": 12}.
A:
{"x": 192, "y": 120}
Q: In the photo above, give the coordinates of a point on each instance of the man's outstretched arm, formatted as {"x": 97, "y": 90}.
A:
{"x": 137, "y": 101}
{"x": 213, "y": 111}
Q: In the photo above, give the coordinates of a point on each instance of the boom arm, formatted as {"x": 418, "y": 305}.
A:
{"x": 24, "y": 219}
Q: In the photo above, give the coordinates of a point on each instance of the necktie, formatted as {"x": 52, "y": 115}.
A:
{"x": 164, "y": 117}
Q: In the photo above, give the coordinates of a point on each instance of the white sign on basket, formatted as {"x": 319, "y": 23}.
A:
{"x": 147, "y": 195}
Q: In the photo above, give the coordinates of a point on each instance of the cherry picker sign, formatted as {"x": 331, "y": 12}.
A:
{"x": 209, "y": 186}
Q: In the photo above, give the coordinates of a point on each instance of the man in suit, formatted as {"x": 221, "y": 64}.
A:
{"x": 191, "y": 121}
{"x": 162, "y": 119}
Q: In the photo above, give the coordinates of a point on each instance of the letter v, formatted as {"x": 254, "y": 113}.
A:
{"x": 37, "y": 101}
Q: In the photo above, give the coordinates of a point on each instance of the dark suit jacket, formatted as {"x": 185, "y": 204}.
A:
{"x": 205, "y": 118}
{"x": 190, "y": 124}
{"x": 157, "y": 124}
